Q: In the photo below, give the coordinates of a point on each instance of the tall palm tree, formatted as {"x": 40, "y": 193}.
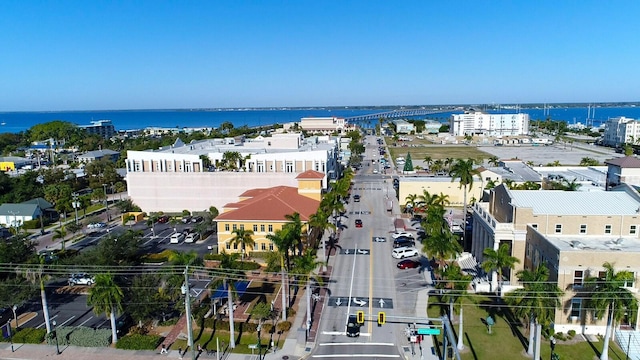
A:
{"x": 304, "y": 269}
{"x": 498, "y": 261}
{"x": 457, "y": 283}
{"x": 609, "y": 294}
{"x": 494, "y": 160}
{"x": 244, "y": 238}
{"x": 294, "y": 227}
{"x": 60, "y": 233}
{"x": 536, "y": 301}
{"x": 282, "y": 240}
{"x": 106, "y": 298}
{"x": 428, "y": 160}
{"x": 411, "y": 202}
{"x": 38, "y": 275}
{"x": 463, "y": 171}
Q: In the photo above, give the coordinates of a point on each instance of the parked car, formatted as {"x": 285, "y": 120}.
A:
{"x": 356, "y": 198}
{"x": 404, "y": 242}
{"x": 358, "y": 223}
{"x": 81, "y": 279}
{"x": 163, "y": 219}
{"x": 197, "y": 219}
{"x": 176, "y": 238}
{"x": 192, "y": 237}
{"x": 404, "y": 252}
{"x": 96, "y": 225}
{"x": 186, "y": 219}
{"x": 408, "y": 264}
{"x": 353, "y": 328}
{"x": 398, "y": 234}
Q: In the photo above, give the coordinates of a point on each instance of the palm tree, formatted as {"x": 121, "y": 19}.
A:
{"x": 609, "y": 294}
{"x": 294, "y": 227}
{"x": 463, "y": 171}
{"x": 60, "y": 233}
{"x": 498, "y": 260}
{"x": 244, "y": 238}
{"x": 304, "y": 267}
{"x": 457, "y": 283}
{"x": 536, "y": 301}
{"x": 106, "y": 298}
{"x": 411, "y": 202}
{"x": 428, "y": 160}
{"x": 282, "y": 239}
{"x": 38, "y": 275}
{"x": 494, "y": 161}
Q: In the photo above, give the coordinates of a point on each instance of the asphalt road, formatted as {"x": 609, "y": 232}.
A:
{"x": 365, "y": 276}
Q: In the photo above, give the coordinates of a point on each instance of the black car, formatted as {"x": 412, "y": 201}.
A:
{"x": 403, "y": 242}
{"x": 356, "y": 198}
{"x": 353, "y": 328}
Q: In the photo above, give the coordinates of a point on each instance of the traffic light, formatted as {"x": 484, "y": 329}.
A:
{"x": 381, "y": 318}
{"x": 360, "y": 317}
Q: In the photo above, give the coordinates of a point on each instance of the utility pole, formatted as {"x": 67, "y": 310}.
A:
{"x": 187, "y": 305}
{"x": 106, "y": 201}
{"x": 75, "y": 204}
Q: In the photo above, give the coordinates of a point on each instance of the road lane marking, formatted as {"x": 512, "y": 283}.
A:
{"x": 86, "y": 321}
{"x": 69, "y": 319}
{"x": 370, "y": 284}
{"x": 353, "y": 273}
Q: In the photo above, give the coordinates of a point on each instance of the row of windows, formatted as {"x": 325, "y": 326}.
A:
{"x": 255, "y": 227}
{"x": 583, "y": 228}
{"x": 263, "y": 246}
{"x": 580, "y": 275}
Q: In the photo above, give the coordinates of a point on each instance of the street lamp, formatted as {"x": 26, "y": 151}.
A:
{"x": 55, "y": 334}
{"x": 15, "y": 219}
{"x": 76, "y": 204}
{"x": 15, "y": 316}
{"x": 106, "y": 201}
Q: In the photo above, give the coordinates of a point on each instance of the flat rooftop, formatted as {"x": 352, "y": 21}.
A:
{"x": 595, "y": 243}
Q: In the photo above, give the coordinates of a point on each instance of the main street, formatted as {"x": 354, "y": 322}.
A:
{"x": 365, "y": 277}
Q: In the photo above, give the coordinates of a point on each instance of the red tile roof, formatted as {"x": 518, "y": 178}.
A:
{"x": 310, "y": 174}
{"x": 625, "y": 162}
{"x": 271, "y": 204}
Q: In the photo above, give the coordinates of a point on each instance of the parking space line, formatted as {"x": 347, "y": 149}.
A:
{"x": 69, "y": 319}
{"x": 86, "y": 321}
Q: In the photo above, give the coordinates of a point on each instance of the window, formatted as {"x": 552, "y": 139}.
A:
{"x": 631, "y": 282}
{"x": 255, "y": 228}
{"x": 241, "y": 226}
{"x": 578, "y": 278}
{"x": 607, "y": 229}
{"x": 558, "y": 228}
{"x": 270, "y": 228}
{"x": 262, "y": 227}
{"x": 633, "y": 229}
{"x": 289, "y": 167}
{"x": 235, "y": 227}
{"x": 576, "y": 306}
{"x": 228, "y": 246}
{"x": 263, "y": 247}
{"x": 534, "y": 226}
{"x": 270, "y": 247}
{"x": 235, "y": 246}
{"x": 583, "y": 229}
{"x": 226, "y": 227}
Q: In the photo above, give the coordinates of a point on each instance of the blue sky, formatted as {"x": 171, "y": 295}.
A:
{"x": 103, "y": 55}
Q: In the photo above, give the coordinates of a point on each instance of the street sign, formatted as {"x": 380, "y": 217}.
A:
{"x": 428, "y": 331}
{"x": 354, "y": 252}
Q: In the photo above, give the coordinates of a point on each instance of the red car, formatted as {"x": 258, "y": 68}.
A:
{"x": 163, "y": 219}
{"x": 358, "y": 223}
{"x": 408, "y": 264}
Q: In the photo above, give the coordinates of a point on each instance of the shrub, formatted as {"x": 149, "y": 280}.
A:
{"x": 169, "y": 322}
{"x": 291, "y": 312}
{"x": 268, "y": 328}
{"x": 29, "y": 336}
{"x": 571, "y": 333}
{"x": 82, "y": 336}
{"x": 31, "y": 224}
{"x": 283, "y": 326}
{"x": 139, "y": 342}
{"x": 224, "y": 325}
{"x": 559, "y": 336}
{"x": 247, "y": 265}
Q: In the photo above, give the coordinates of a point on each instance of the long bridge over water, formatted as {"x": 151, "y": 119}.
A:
{"x": 396, "y": 114}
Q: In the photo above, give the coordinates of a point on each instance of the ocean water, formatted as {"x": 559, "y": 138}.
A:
{"x": 137, "y": 119}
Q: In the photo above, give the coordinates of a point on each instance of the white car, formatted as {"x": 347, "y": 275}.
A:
{"x": 192, "y": 237}
{"x": 404, "y": 252}
{"x": 81, "y": 279}
{"x": 176, "y": 238}
{"x": 398, "y": 234}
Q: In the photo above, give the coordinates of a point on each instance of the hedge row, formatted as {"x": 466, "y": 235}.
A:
{"x": 27, "y": 336}
{"x": 282, "y": 326}
{"x": 139, "y": 342}
{"x": 82, "y": 336}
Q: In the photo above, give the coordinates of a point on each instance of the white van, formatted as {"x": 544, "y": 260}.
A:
{"x": 176, "y": 238}
{"x": 404, "y": 252}
{"x": 192, "y": 237}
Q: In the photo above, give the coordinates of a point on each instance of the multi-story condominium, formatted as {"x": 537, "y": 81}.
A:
{"x": 623, "y": 170}
{"x": 573, "y": 233}
{"x": 326, "y": 125}
{"x": 103, "y": 128}
{"x": 264, "y": 211}
{"x": 175, "y": 178}
{"x": 479, "y": 123}
{"x": 621, "y": 130}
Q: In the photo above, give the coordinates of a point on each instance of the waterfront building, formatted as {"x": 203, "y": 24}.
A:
{"x": 102, "y": 128}
{"x": 403, "y": 127}
{"x": 326, "y": 125}
{"x": 174, "y": 178}
{"x": 479, "y": 123}
{"x": 621, "y": 130}
{"x": 264, "y": 211}
{"x": 572, "y": 232}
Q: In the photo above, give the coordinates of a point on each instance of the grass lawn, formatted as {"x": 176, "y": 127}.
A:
{"x": 207, "y": 339}
{"x": 509, "y": 341}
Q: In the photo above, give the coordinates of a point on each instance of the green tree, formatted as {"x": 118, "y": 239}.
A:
{"x": 536, "y": 301}
{"x": 609, "y": 294}
{"x": 228, "y": 275}
{"x": 106, "y": 298}
{"x": 498, "y": 261}
{"x": 456, "y": 283}
{"x": 60, "y": 233}
{"x": 305, "y": 267}
{"x": 244, "y": 238}
{"x": 463, "y": 171}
